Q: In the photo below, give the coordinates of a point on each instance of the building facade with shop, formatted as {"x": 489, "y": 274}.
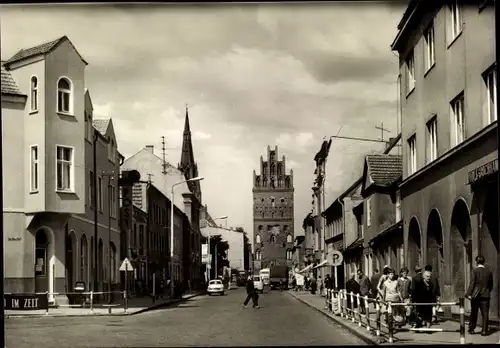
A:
{"x": 334, "y": 239}
{"x": 47, "y": 113}
{"x": 449, "y": 125}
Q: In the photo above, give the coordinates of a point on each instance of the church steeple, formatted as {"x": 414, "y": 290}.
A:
{"x": 187, "y": 165}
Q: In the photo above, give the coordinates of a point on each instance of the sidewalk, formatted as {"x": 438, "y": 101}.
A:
{"x": 135, "y": 306}
{"x": 318, "y": 302}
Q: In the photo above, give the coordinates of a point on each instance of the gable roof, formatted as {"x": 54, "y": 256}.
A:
{"x": 384, "y": 170}
{"x": 101, "y": 125}
{"x": 9, "y": 86}
{"x": 44, "y": 48}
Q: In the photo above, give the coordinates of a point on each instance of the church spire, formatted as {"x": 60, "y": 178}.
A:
{"x": 187, "y": 157}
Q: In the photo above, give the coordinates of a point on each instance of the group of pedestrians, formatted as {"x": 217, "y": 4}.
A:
{"x": 423, "y": 290}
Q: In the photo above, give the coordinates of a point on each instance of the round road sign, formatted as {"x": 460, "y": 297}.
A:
{"x": 336, "y": 258}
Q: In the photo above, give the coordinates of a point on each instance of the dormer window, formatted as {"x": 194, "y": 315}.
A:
{"x": 34, "y": 93}
{"x": 64, "y": 97}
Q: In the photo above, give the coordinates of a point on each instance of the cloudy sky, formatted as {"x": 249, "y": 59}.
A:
{"x": 253, "y": 75}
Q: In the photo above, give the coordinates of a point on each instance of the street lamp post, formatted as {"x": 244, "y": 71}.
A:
{"x": 172, "y": 232}
{"x": 215, "y": 266}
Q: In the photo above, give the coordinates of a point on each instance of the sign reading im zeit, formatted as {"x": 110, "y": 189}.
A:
{"x": 25, "y": 302}
{"x": 483, "y": 171}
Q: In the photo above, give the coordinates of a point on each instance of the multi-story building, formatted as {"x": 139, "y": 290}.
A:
{"x": 319, "y": 204}
{"x": 298, "y": 253}
{"x": 449, "y": 125}
{"x": 139, "y": 242}
{"x": 346, "y": 215}
{"x": 102, "y": 162}
{"x": 380, "y": 216}
{"x": 235, "y": 239}
{"x": 47, "y": 114}
{"x": 309, "y": 243}
{"x": 273, "y": 214}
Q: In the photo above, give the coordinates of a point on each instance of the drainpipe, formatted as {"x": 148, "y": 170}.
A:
{"x": 95, "y": 210}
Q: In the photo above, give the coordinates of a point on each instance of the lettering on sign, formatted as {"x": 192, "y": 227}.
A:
{"x": 25, "y": 302}
{"x": 483, "y": 171}
{"x": 13, "y": 239}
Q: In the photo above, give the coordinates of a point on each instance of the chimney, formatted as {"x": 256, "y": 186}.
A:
{"x": 150, "y": 148}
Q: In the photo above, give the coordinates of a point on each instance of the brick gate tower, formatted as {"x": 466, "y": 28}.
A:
{"x": 273, "y": 212}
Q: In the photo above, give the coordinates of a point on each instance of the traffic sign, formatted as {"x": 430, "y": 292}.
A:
{"x": 126, "y": 266}
{"x": 335, "y": 258}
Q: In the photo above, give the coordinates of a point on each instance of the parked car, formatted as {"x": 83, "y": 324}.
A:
{"x": 215, "y": 287}
{"x": 258, "y": 283}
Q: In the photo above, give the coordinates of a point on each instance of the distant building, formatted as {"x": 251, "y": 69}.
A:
{"x": 235, "y": 240}
{"x": 47, "y": 117}
{"x": 273, "y": 215}
{"x": 449, "y": 125}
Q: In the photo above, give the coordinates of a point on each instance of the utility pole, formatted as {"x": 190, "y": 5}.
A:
{"x": 382, "y": 129}
{"x": 110, "y": 176}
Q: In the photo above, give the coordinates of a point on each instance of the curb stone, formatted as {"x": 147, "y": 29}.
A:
{"x": 153, "y": 307}
{"x": 367, "y": 339}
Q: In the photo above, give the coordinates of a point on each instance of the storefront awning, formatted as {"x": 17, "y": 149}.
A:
{"x": 322, "y": 264}
{"x": 396, "y": 227}
{"x": 306, "y": 269}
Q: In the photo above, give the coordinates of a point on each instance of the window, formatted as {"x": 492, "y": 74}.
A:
{"x": 410, "y": 73}
{"x": 289, "y": 254}
{"x": 368, "y": 212}
{"x": 430, "y": 54}
{"x": 398, "y": 206}
{"x": 91, "y": 189}
{"x": 257, "y": 239}
{"x": 273, "y": 239}
{"x": 34, "y": 168}
{"x": 289, "y": 238}
{"x": 490, "y": 80}
{"x": 272, "y": 202}
{"x": 64, "y": 97}
{"x": 412, "y": 154}
{"x": 455, "y": 20}
{"x": 282, "y": 200}
{"x": 100, "y": 195}
{"x": 257, "y": 255}
{"x": 112, "y": 200}
{"x": 432, "y": 147}
{"x": 458, "y": 123}
{"x": 34, "y": 93}
{"x": 64, "y": 175}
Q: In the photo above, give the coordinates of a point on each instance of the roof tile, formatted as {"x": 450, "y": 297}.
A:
{"x": 384, "y": 169}
{"x": 9, "y": 86}
{"x": 101, "y": 125}
{"x": 33, "y": 51}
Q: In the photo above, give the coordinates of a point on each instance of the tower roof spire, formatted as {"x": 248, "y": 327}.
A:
{"x": 187, "y": 156}
{"x": 187, "y": 129}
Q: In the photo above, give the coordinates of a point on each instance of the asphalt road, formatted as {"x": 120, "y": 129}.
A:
{"x": 201, "y": 321}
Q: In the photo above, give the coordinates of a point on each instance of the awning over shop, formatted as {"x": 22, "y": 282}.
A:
{"x": 306, "y": 269}
{"x": 358, "y": 243}
{"x": 393, "y": 228}
{"x": 322, "y": 264}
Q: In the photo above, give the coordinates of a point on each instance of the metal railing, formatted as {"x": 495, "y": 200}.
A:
{"x": 343, "y": 303}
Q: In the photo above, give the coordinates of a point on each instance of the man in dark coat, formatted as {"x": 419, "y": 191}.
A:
{"x": 374, "y": 282}
{"x": 352, "y": 286}
{"x": 364, "y": 289}
{"x": 479, "y": 293}
{"x": 251, "y": 294}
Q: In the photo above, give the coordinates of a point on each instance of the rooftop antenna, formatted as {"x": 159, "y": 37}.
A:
{"x": 163, "y": 154}
{"x": 382, "y": 129}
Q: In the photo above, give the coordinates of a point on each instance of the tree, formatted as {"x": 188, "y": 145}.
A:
{"x": 222, "y": 248}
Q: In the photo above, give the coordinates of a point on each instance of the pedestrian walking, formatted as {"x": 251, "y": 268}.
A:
{"x": 390, "y": 293}
{"x": 437, "y": 292}
{"x": 251, "y": 294}
{"x": 404, "y": 288}
{"x": 364, "y": 289}
{"x": 423, "y": 292}
{"x": 352, "y": 286}
{"x": 479, "y": 293}
{"x": 374, "y": 283}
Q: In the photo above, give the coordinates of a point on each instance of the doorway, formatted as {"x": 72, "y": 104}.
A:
{"x": 41, "y": 261}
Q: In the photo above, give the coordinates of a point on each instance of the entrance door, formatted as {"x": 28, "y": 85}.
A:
{"x": 41, "y": 261}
